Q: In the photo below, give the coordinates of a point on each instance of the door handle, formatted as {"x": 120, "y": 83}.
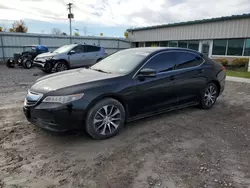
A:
{"x": 172, "y": 77}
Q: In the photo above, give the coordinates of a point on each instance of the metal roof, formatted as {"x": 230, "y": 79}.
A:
{"x": 156, "y": 49}
{"x": 233, "y": 17}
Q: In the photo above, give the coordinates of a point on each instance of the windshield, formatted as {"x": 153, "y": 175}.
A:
{"x": 29, "y": 49}
{"x": 121, "y": 62}
{"x": 63, "y": 49}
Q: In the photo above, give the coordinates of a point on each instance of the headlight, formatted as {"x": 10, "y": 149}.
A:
{"x": 51, "y": 57}
{"x": 63, "y": 99}
{"x": 19, "y": 60}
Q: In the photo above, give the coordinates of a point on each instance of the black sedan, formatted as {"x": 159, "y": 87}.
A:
{"x": 128, "y": 85}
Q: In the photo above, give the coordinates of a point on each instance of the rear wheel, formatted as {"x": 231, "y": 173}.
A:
{"x": 61, "y": 66}
{"x": 105, "y": 119}
{"x": 209, "y": 96}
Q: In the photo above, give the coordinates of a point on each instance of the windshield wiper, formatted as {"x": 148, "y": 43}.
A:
{"x": 100, "y": 70}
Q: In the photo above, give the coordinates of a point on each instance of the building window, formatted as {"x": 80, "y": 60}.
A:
{"x": 164, "y": 43}
{"x": 141, "y": 44}
{"x": 153, "y": 44}
{"x": 219, "y": 47}
{"x": 194, "y": 45}
{"x": 148, "y": 44}
{"x": 247, "y": 48}
{"x": 173, "y": 44}
{"x": 235, "y": 47}
{"x": 183, "y": 44}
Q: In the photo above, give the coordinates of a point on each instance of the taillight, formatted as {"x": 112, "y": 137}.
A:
{"x": 223, "y": 68}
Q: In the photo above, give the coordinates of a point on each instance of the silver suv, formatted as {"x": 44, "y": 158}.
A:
{"x": 69, "y": 56}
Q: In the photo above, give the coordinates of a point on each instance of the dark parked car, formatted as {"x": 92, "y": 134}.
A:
{"x": 25, "y": 58}
{"x": 125, "y": 86}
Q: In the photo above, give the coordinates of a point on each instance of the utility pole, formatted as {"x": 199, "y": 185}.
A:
{"x": 70, "y": 16}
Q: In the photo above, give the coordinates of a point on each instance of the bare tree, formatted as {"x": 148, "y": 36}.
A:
{"x": 56, "y": 31}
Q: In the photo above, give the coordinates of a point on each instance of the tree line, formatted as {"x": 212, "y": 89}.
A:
{"x": 21, "y": 27}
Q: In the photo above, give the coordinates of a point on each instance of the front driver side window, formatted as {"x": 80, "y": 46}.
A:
{"x": 78, "y": 49}
{"x": 162, "y": 62}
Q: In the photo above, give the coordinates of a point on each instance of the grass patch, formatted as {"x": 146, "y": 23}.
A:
{"x": 241, "y": 74}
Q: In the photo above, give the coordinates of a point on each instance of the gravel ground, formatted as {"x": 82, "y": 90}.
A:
{"x": 190, "y": 148}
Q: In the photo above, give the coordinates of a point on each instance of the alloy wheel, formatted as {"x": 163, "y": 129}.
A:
{"x": 61, "y": 67}
{"x": 107, "y": 119}
{"x": 28, "y": 64}
{"x": 210, "y": 95}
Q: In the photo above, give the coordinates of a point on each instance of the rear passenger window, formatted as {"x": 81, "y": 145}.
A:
{"x": 88, "y": 48}
{"x": 187, "y": 60}
{"x": 162, "y": 62}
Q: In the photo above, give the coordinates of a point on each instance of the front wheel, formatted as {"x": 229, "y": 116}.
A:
{"x": 47, "y": 68}
{"x": 61, "y": 66}
{"x": 105, "y": 119}
{"x": 10, "y": 63}
{"x": 209, "y": 96}
{"x": 27, "y": 63}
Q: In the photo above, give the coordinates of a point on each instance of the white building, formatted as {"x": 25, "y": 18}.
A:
{"x": 217, "y": 37}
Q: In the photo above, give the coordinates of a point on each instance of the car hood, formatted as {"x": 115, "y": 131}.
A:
{"x": 69, "y": 78}
{"x": 47, "y": 54}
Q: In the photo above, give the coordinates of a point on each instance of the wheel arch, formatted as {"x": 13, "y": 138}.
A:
{"x": 112, "y": 96}
{"x": 63, "y": 60}
{"x": 217, "y": 83}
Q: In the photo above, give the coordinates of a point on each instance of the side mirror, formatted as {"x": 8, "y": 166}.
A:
{"x": 147, "y": 73}
{"x": 72, "y": 52}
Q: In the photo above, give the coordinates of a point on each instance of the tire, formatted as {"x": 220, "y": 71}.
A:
{"x": 61, "y": 66}
{"x": 209, "y": 96}
{"x": 10, "y": 63}
{"x": 102, "y": 128}
{"x": 47, "y": 68}
{"x": 27, "y": 63}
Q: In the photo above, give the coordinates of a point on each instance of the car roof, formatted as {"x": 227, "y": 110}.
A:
{"x": 158, "y": 49}
{"x": 91, "y": 45}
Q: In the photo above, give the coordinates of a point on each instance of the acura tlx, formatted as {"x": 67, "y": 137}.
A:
{"x": 125, "y": 86}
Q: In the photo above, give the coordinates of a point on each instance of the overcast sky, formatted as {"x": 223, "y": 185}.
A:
{"x": 113, "y": 16}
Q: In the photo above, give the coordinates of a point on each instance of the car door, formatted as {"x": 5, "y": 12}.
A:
{"x": 190, "y": 76}
{"x": 156, "y": 93}
{"x": 77, "y": 57}
{"x": 90, "y": 55}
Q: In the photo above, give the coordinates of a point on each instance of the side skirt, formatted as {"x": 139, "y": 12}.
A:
{"x": 162, "y": 111}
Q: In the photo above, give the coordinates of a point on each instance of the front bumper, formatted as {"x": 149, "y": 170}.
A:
{"x": 43, "y": 64}
{"x": 58, "y": 120}
{"x": 39, "y": 64}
